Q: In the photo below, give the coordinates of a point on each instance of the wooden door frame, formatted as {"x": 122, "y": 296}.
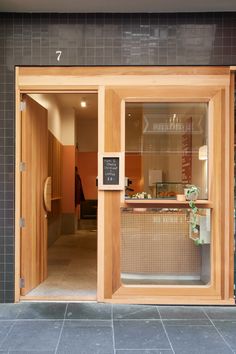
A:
{"x": 18, "y": 136}
{"x": 75, "y": 79}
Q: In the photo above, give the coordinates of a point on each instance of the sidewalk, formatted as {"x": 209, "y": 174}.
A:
{"x": 90, "y": 328}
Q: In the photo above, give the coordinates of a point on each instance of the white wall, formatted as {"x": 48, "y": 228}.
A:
{"x": 68, "y": 126}
{"x": 49, "y": 102}
{"x": 61, "y": 121}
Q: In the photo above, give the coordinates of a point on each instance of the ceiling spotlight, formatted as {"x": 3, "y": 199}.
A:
{"x": 83, "y": 103}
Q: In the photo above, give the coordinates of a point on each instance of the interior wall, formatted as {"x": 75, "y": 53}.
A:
{"x": 54, "y": 170}
{"x": 87, "y": 143}
{"x": 68, "y": 171}
{"x": 87, "y": 134}
{"x": 49, "y": 102}
{"x": 61, "y": 123}
{"x": 68, "y": 190}
{"x": 88, "y": 171}
{"x": 133, "y": 170}
{"x": 68, "y": 126}
{"x": 76, "y": 133}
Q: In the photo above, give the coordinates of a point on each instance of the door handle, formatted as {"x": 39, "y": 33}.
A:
{"x": 47, "y": 194}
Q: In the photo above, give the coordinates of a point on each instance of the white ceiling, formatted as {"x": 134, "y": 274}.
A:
{"x": 70, "y": 100}
{"x": 121, "y": 6}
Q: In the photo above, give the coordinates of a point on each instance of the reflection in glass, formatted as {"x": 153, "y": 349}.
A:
{"x": 158, "y": 247}
{"x": 166, "y": 148}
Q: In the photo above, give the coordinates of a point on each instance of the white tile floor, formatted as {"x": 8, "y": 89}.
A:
{"x": 72, "y": 269}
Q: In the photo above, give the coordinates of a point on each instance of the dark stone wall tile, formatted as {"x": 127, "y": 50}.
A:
{"x": 94, "y": 39}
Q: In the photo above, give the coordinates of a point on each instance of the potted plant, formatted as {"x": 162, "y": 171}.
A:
{"x": 191, "y": 193}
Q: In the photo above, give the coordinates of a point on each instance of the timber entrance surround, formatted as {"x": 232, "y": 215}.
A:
{"x": 117, "y": 89}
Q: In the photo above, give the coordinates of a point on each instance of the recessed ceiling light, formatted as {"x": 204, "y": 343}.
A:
{"x": 83, "y": 103}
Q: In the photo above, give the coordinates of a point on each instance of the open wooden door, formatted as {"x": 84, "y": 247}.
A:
{"x": 34, "y": 153}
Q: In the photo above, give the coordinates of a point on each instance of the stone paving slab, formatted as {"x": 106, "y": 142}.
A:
{"x": 91, "y": 328}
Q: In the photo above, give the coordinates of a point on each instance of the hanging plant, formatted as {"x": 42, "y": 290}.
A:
{"x": 191, "y": 195}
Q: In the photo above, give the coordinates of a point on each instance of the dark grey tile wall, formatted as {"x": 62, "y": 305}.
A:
{"x": 94, "y": 39}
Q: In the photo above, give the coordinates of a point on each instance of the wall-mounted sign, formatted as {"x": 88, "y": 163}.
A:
{"x": 111, "y": 171}
{"x": 172, "y": 123}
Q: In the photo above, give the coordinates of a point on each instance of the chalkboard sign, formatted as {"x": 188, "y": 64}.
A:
{"x": 111, "y": 170}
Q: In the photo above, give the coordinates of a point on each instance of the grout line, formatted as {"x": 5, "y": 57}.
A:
{"x": 112, "y": 326}
{"x": 228, "y": 345}
{"x": 137, "y": 319}
{"x": 117, "y": 319}
{"x": 59, "y": 338}
{"x": 165, "y": 349}
{"x": 165, "y": 329}
{"x": 56, "y": 319}
{"x": 163, "y": 319}
{"x": 7, "y": 334}
{"x": 188, "y": 325}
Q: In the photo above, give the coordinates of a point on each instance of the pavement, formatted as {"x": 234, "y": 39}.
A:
{"x": 95, "y": 328}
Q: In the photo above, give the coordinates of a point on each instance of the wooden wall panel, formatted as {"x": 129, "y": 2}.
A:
{"x": 68, "y": 179}
{"x": 231, "y": 147}
{"x": 54, "y": 170}
{"x": 112, "y": 198}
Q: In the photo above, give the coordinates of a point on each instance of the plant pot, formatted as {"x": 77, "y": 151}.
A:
{"x": 181, "y": 197}
{"x": 193, "y": 196}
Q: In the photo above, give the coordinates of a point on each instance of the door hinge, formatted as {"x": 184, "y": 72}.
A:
{"x": 22, "y": 283}
{"x": 22, "y": 222}
{"x": 22, "y": 106}
{"x": 22, "y": 166}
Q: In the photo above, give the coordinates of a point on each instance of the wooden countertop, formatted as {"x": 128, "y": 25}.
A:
{"x": 163, "y": 203}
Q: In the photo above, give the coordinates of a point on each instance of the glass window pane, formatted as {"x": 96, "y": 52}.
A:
{"x": 159, "y": 247}
{"x": 166, "y": 148}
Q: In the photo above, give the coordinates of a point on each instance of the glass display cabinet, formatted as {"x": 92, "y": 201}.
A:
{"x": 169, "y": 190}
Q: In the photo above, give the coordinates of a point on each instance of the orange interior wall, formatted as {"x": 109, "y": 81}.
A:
{"x": 133, "y": 170}
{"x": 88, "y": 171}
{"x": 68, "y": 179}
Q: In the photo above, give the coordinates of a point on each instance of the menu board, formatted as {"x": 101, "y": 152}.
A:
{"x": 111, "y": 170}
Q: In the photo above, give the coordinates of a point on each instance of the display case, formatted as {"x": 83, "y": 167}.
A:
{"x": 169, "y": 190}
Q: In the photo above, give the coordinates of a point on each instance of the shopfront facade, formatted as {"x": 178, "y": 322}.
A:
{"x": 148, "y": 251}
